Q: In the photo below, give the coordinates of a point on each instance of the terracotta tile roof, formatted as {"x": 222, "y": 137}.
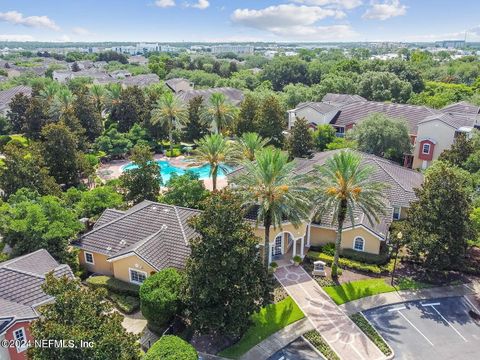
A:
{"x": 454, "y": 120}
{"x": 461, "y": 107}
{"x": 158, "y": 233}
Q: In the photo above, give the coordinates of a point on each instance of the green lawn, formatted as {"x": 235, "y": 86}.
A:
{"x": 358, "y": 289}
{"x": 267, "y": 321}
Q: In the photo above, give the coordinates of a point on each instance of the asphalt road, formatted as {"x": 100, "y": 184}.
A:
{"x": 440, "y": 329}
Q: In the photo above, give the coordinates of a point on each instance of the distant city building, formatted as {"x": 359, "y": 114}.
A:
{"x": 451, "y": 44}
{"x": 236, "y": 49}
{"x": 144, "y": 48}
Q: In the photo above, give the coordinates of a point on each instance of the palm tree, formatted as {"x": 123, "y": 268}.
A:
{"x": 170, "y": 111}
{"x": 340, "y": 187}
{"x": 216, "y": 151}
{"x": 63, "y": 102}
{"x": 98, "y": 94}
{"x": 247, "y": 145}
{"x": 218, "y": 112}
{"x": 270, "y": 185}
{"x": 114, "y": 91}
{"x": 49, "y": 91}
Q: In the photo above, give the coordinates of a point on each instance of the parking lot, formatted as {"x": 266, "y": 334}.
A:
{"x": 437, "y": 329}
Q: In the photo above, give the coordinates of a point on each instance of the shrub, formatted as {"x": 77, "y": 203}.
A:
{"x": 321, "y": 345}
{"x": 368, "y": 329}
{"x": 297, "y": 259}
{"x": 173, "y": 153}
{"x": 4, "y": 140}
{"x": 124, "y": 303}
{"x": 112, "y": 284}
{"x": 329, "y": 249}
{"x": 160, "y": 297}
{"x": 171, "y": 347}
{"x": 365, "y": 257}
{"x": 351, "y": 264}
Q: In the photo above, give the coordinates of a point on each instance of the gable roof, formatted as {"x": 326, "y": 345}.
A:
{"x": 454, "y": 120}
{"x": 235, "y": 96}
{"x": 157, "y": 233}
{"x": 461, "y": 107}
{"x": 356, "y": 112}
{"x": 21, "y": 280}
{"x": 179, "y": 84}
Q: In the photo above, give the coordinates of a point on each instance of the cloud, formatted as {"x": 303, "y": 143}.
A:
{"x": 294, "y": 22}
{"x": 81, "y": 31}
{"x": 201, "y": 4}
{"x": 165, "y": 3}
{"x": 346, "y": 4}
{"x": 16, "y": 18}
{"x": 385, "y": 10}
{"x": 16, "y": 37}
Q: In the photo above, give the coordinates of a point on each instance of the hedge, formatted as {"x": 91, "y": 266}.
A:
{"x": 160, "y": 297}
{"x": 176, "y": 152}
{"x": 171, "y": 347}
{"x": 112, "y": 284}
{"x": 368, "y": 329}
{"x": 321, "y": 345}
{"x": 351, "y": 264}
{"x": 124, "y": 303}
{"x": 365, "y": 257}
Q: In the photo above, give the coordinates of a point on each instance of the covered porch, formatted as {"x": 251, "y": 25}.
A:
{"x": 285, "y": 246}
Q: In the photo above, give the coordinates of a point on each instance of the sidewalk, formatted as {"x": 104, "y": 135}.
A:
{"x": 338, "y": 330}
{"x": 394, "y": 297}
{"x": 278, "y": 340}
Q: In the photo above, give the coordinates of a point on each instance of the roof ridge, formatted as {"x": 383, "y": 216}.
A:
{"x": 26, "y": 273}
{"x": 181, "y": 225}
{"x": 390, "y": 176}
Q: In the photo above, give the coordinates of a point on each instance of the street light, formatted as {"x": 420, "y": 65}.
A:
{"x": 397, "y": 246}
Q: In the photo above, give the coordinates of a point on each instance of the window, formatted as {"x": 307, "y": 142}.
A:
{"x": 89, "y": 258}
{"x": 396, "y": 213}
{"x": 426, "y": 149}
{"x": 358, "y": 244}
{"x": 19, "y": 335}
{"x": 137, "y": 277}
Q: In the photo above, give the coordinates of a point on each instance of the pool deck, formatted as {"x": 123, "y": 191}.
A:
{"x": 113, "y": 170}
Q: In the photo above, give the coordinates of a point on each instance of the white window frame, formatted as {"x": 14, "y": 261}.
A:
{"x": 86, "y": 259}
{"x": 399, "y": 213}
{"x": 24, "y": 339}
{"x": 363, "y": 243}
{"x": 423, "y": 149}
{"x": 138, "y": 271}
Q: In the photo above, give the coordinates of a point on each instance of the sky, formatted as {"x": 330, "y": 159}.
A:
{"x": 238, "y": 21}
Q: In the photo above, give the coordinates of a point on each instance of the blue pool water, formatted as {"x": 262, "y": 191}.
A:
{"x": 167, "y": 169}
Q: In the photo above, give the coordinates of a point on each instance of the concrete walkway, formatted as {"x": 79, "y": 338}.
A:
{"x": 277, "y": 341}
{"x": 395, "y": 297}
{"x": 345, "y": 338}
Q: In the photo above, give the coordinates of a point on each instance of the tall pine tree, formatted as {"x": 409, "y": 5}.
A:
{"x": 271, "y": 120}
{"x": 300, "y": 142}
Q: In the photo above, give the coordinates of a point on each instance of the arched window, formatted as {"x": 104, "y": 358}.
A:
{"x": 358, "y": 244}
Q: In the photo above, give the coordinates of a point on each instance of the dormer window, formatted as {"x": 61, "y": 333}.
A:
{"x": 426, "y": 149}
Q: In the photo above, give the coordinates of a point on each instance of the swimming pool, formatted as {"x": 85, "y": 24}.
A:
{"x": 167, "y": 170}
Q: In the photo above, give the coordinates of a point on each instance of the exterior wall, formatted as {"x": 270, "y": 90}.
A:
{"x": 441, "y": 133}
{"x": 371, "y": 243}
{"x": 296, "y": 233}
{"x": 14, "y": 355}
{"x": 309, "y": 114}
{"x": 101, "y": 266}
{"x": 426, "y": 156}
{"x": 321, "y": 236}
{"x": 121, "y": 267}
